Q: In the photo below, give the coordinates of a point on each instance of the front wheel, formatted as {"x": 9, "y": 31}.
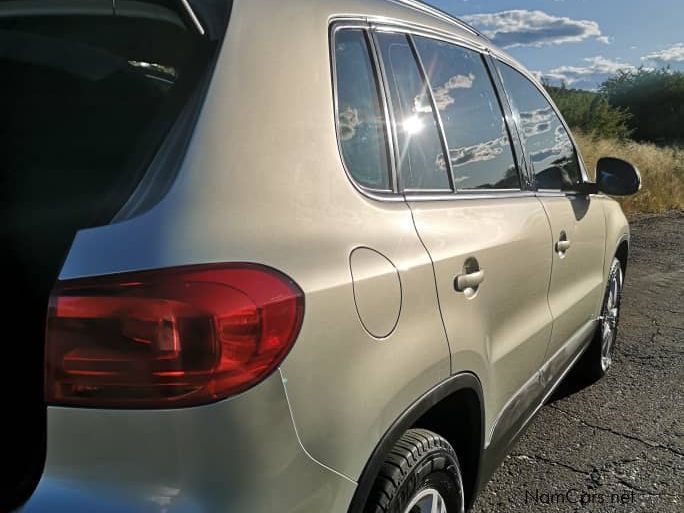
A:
{"x": 420, "y": 475}
{"x": 599, "y": 355}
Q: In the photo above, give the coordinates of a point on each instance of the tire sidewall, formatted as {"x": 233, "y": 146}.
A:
{"x": 447, "y": 481}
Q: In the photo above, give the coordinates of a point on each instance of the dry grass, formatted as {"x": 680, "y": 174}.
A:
{"x": 662, "y": 172}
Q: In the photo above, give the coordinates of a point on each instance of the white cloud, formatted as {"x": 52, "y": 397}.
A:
{"x": 534, "y": 28}
{"x": 536, "y": 122}
{"x": 478, "y": 153}
{"x": 590, "y": 75}
{"x": 671, "y": 55}
{"x": 442, "y": 94}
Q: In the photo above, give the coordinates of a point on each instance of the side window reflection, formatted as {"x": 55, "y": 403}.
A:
{"x": 421, "y": 161}
{"x": 548, "y": 144}
{"x": 361, "y": 124}
{"x": 479, "y": 147}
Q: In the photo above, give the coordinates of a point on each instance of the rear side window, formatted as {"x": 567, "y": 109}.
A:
{"x": 549, "y": 146}
{"x": 477, "y": 138}
{"x": 421, "y": 162}
{"x": 360, "y": 120}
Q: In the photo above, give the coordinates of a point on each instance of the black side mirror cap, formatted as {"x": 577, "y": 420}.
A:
{"x": 617, "y": 177}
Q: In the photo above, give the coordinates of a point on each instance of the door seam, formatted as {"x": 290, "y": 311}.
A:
{"x": 548, "y": 287}
{"x": 434, "y": 279}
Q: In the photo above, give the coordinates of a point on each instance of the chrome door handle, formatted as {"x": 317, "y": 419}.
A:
{"x": 562, "y": 246}
{"x": 469, "y": 280}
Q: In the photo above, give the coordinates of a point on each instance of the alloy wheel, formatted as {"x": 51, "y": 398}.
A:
{"x": 610, "y": 317}
{"x": 428, "y": 500}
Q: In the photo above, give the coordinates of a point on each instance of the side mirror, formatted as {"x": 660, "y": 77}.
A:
{"x": 617, "y": 177}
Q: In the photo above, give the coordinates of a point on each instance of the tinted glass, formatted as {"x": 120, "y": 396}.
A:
{"x": 361, "y": 124}
{"x": 552, "y": 153}
{"x": 421, "y": 160}
{"x": 479, "y": 147}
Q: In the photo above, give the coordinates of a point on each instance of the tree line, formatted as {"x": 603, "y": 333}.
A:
{"x": 644, "y": 104}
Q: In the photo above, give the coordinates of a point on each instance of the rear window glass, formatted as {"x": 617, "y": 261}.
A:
{"x": 86, "y": 99}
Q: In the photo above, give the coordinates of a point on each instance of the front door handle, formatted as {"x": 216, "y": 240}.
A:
{"x": 469, "y": 280}
{"x": 562, "y": 246}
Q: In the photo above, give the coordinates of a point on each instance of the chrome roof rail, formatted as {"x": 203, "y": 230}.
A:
{"x": 442, "y": 15}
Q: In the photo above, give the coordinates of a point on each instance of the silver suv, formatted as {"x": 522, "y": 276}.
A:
{"x": 296, "y": 256}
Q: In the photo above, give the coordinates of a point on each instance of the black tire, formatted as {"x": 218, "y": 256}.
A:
{"x": 592, "y": 366}
{"x": 421, "y": 461}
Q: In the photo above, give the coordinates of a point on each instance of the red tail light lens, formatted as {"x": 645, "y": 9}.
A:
{"x": 168, "y": 338}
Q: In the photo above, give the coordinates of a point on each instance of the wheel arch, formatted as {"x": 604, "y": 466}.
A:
{"x": 453, "y": 409}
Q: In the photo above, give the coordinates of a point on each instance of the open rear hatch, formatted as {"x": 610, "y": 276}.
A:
{"x": 92, "y": 92}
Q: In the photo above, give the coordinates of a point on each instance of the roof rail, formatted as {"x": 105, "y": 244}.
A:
{"x": 419, "y": 5}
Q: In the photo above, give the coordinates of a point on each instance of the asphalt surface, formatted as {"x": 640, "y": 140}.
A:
{"x": 617, "y": 445}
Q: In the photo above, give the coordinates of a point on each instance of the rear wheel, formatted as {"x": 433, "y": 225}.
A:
{"x": 599, "y": 356}
{"x": 420, "y": 475}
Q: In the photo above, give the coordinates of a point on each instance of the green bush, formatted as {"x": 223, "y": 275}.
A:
{"x": 591, "y": 113}
{"x": 655, "y": 100}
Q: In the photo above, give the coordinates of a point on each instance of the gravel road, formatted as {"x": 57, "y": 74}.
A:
{"x": 618, "y": 445}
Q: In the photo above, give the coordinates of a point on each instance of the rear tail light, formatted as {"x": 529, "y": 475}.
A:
{"x": 168, "y": 338}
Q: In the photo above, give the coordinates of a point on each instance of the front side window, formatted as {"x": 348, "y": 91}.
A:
{"x": 477, "y": 138}
{"x": 421, "y": 162}
{"x": 549, "y": 146}
{"x": 361, "y": 124}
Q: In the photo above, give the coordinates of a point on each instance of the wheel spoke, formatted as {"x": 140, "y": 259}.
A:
{"x": 436, "y": 506}
{"x": 443, "y": 508}
{"x": 427, "y": 501}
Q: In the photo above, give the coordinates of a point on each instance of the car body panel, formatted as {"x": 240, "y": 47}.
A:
{"x": 577, "y": 279}
{"x": 502, "y": 332}
{"x": 241, "y": 454}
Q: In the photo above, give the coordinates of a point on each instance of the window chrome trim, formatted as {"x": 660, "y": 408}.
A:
{"x": 543, "y": 193}
{"x": 392, "y": 139}
{"x": 389, "y": 25}
{"x": 387, "y": 109}
{"x": 441, "y": 15}
{"x": 435, "y": 113}
{"x": 515, "y": 137}
{"x": 427, "y": 191}
{"x": 473, "y": 194}
{"x": 357, "y": 24}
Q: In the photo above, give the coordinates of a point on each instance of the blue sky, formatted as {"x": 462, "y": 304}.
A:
{"x": 582, "y": 42}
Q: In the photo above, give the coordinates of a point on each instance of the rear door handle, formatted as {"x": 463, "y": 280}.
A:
{"x": 469, "y": 280}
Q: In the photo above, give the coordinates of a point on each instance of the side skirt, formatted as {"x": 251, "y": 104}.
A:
{"x": 511, "y": 424}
